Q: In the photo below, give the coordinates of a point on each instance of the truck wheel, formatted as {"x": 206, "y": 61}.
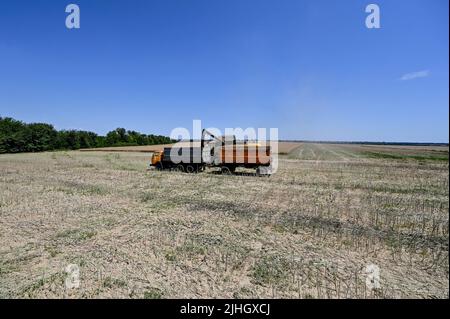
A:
{"x": 190, "y": 169}
{"x": 180, "y": 168}
{"x": 159, "y": 166}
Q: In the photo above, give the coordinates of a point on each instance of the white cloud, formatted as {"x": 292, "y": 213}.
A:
{"x": 415, "y": 75}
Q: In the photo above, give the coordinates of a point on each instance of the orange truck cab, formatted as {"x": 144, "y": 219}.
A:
{"x": 156, "y": 158}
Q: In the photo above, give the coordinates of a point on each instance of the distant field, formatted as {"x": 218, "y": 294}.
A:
{"x": 284, "y": 147}
{"x": 346, "y": 152}
{"x": 309, "y": 231}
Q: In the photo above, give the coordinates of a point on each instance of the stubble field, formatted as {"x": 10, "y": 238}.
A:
{"x": 312, "y": 230}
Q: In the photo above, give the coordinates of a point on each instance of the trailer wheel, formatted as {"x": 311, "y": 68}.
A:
{"x": 262, "y": 171}
{"x": 225, "y": 170}
{"x": 180, "y": 168}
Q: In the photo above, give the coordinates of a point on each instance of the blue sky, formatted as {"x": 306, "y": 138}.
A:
{"x": 310, "y": 68}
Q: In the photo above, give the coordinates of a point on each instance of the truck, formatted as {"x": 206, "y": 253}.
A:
{"x": 224, "y": 153}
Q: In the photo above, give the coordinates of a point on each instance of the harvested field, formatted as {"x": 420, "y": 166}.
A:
{"x": 285, "y": 148}
{"x": 309, "y": 231}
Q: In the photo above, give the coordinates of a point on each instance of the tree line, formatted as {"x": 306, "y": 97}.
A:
{"x": 17, "y": 136}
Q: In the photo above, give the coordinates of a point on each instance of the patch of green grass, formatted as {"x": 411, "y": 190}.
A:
{"x": 66, "y": 233}
{"x": 153, "y": 293}
{"x": 76, "y": 235}
{"x": 34, "y": 286}
{"x": 7, "y": 267}
{"x": 78, "y": 260}
{"x": 108, "y": 222}
{"x": 424, "y": 157}
{"x": 206, "y": 240}
{"x": 93, "y": 190}
{"x": 53, "y": 251}
{"x": 271, "y": 270}
{"x": 171, "y": 255}
{"x": 12, "y": 265}
{"x": 163, "y": 205}
{"x": 279, "y": 228}
{"x": 429, "y": 157}
{"x": 110, "y": 282}
{"x": 147, "y": 197}
{"x": 87, "y": 234}
{"x": 56, "y": 278}
{"x": 192, "y": 249}
{"x": 72, "y": 187}
{"x": 382, "y": 155}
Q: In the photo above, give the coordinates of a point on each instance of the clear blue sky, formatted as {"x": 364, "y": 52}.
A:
{"x": 310, "y": 68}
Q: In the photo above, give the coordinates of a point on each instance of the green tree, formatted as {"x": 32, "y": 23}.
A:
{"x": 16, "y": 136}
